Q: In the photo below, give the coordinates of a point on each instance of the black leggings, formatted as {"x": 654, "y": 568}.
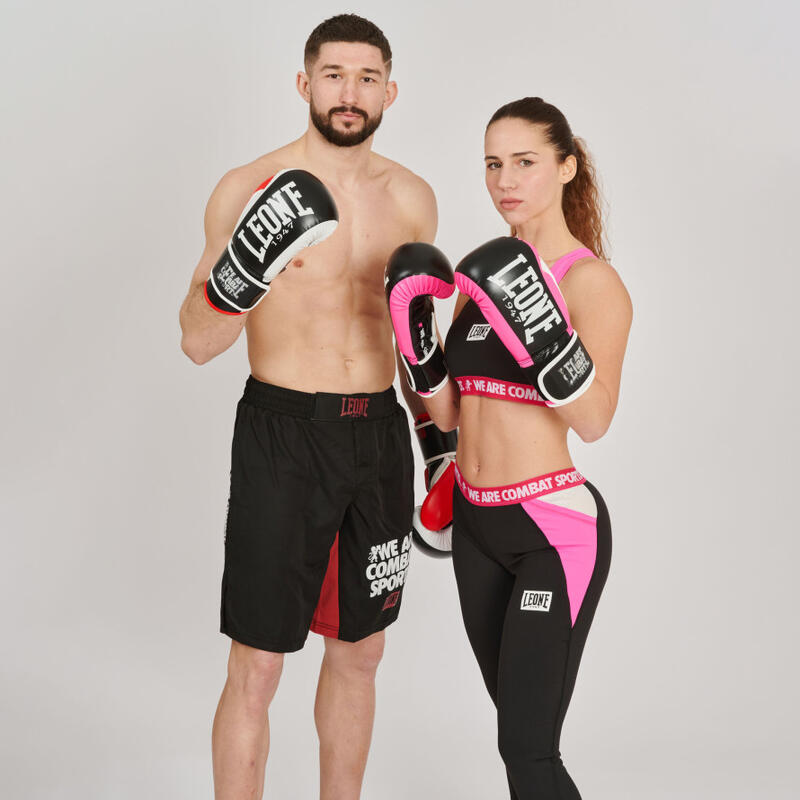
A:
{"x": 530, "y": 573}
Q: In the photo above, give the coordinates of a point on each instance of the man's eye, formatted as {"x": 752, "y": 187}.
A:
{"x": 368, "y": 80}
{"x": 332, "y": 75}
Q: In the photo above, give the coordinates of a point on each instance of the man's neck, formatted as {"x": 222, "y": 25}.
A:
{"x": 343, "y": 164}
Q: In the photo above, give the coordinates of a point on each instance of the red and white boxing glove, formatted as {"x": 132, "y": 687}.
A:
{"x": 416, "y": 273}
{"x": 520, "y": 299}
{"x": 290, "y": 211}
{"x": 433, "y": 520}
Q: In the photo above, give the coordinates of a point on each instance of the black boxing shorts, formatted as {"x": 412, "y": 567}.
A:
{"x": 319, "y": 517}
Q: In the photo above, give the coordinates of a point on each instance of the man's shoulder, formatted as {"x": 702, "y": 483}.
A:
{"x": 413, "y": 195}
{"x": 247, "y": 177}
{"x": 237, "y": 185}
{"x": 401, "y": 180}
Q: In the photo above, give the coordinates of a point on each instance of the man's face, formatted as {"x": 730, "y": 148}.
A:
{"x": 348, "y": 89}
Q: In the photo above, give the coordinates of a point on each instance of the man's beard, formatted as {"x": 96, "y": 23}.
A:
{"x": 324, "y": 124}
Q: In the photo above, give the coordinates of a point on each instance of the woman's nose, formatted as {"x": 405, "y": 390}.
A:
{"x": 506, "y": 179}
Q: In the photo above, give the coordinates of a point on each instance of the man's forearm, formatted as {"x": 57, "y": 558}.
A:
{"x": 206, "y": 332}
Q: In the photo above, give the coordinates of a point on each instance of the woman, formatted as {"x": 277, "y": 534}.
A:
{"x": 531, "y": 537}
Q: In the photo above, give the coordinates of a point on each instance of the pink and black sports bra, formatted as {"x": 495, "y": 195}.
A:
{"x": 480, "y": 363}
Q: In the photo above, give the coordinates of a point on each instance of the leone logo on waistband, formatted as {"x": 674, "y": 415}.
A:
{"x": 354, "y": 406}
{"x": 391, "y": 601}
{"x": 536, "y": 601}
{"x": 478, "y": 332}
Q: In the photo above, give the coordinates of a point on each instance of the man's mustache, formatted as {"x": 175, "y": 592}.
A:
{"x": 348, "y": 110}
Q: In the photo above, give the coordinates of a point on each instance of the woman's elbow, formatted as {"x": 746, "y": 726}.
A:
{"x": 595, "y": 426}
{"x": 591, "y": 434}
{"x": 591, "y": 427}
{"x": 448, "y": 425}
{"x": 445, "y": 420}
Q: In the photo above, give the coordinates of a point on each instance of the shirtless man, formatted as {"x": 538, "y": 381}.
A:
{"x": 321, "y": 477}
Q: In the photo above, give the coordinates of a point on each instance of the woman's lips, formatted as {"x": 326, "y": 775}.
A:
{"x": 510, "y": 203}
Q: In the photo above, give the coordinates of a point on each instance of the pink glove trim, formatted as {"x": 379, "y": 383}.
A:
{"x": 400, "y": 299}
{"x": 495, "y": 319}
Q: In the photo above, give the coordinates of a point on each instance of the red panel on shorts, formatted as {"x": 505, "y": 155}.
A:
{"x": 326, "y": 615}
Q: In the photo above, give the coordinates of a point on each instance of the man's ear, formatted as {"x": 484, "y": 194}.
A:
{"x": 391, "y": 94}
{"x": 304, "y": 86}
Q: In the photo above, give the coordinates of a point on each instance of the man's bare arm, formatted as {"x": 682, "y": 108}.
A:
{"x": 207, "y": 333}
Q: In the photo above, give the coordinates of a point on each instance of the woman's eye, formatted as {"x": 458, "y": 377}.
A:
{"x": 525, "y": 162}
{"x": 492, "y": 165}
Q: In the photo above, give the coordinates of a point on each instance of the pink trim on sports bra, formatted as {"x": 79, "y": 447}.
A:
{"x": 562, "y": 265}
{"x": 499, "y": 389}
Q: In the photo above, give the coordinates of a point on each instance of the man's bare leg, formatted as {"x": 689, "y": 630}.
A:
{"x": 240, "y": 737}
{"x": 344, "y": 712}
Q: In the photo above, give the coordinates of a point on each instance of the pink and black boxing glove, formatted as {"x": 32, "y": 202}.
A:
{"x": 288, "y": 212}
{"x": 416, "y": 273}
{"x": 432, "y": 530}
{"x": 520, "y": 299}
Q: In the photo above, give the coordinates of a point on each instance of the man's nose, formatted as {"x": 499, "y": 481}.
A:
{"x": 348, "y": 93}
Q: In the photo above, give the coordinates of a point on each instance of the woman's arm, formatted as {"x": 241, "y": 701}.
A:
{"x": 600, "y": 311}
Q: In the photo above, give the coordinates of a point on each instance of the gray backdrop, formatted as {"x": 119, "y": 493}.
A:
{"x": 119, "y": 118}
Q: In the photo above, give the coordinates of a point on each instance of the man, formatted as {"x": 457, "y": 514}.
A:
{"x": 321, "y": 478}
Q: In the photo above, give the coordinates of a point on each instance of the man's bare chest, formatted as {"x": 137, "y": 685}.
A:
{"x": 370, "y": 228}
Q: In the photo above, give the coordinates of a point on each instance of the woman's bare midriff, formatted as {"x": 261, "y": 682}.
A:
{"x": 500, "y": 442}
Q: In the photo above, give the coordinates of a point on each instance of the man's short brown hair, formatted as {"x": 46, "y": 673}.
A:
{"x": 346, "y": 28}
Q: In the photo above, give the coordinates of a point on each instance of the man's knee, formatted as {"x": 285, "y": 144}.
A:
{"x": 357, "y": 658}
{"x": 254, "y": 673}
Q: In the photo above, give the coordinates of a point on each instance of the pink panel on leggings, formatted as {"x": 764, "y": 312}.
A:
{"x": 574, "y": 536}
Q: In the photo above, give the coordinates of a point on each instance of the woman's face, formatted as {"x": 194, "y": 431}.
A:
{"x": 523, "y": 175}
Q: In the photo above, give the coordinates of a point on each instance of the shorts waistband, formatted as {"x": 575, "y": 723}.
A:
{"x": 320, "y": 405}
{"x": 519, "y": 492}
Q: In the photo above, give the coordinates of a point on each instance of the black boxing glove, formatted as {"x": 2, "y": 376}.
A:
{"x": 416, "y": 273}
{"x": 520, "y": 299}
{"x": 288, "y": 212}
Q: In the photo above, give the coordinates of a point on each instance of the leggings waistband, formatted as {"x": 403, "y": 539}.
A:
{"x": 518, "y": 492}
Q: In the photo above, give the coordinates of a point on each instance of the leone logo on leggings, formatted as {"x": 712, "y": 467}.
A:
{"x": 536, "y": 601}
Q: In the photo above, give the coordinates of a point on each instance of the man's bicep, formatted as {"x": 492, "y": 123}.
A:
{"x": 222, "y": 211}
{"x": 427, "y": 215}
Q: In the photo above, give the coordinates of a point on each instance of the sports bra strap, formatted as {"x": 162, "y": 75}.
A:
{"x": 561, "y": 266}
